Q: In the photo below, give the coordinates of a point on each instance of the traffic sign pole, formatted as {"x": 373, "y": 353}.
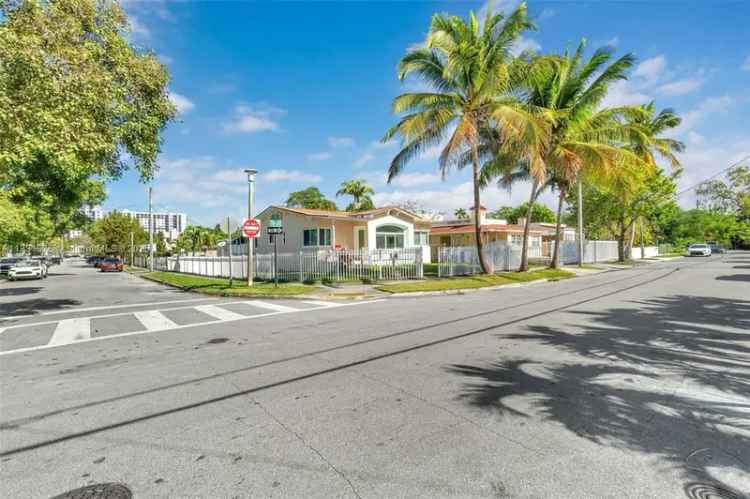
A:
{"x": 250, "y": 191}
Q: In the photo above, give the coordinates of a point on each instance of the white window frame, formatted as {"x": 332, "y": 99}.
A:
{"x": 421, "y": 237}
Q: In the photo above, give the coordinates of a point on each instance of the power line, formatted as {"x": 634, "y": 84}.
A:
{"x": 738, "y": 163}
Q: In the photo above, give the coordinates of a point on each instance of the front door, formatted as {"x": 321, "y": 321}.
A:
{"x": 361, "y": 237}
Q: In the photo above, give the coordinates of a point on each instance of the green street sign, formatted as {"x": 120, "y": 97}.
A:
{"x": 275, "y": 220}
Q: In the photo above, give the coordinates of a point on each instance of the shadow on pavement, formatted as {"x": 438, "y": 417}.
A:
{"x": 734, "y": 277}
{"x": 33, "y": 307}
{"x": 19, "y": 291}
{"x": 615, "y": 396}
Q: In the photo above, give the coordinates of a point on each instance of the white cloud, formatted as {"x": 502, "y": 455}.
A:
{"x": 253, "y": 119}
{"x": 652, "y": 69}
{"x": 612, "y": 42}
{"x": 340, "y": 141}
{"x": 708, "y": 107}
{"x": 546, "y": 13}
{"x": 138, "y": 29}
{"x": 681, "y": 87}
{"x": 746, "y": 65}
{"x": 625, "y": 93}
{"x": 165, "y": 59}
{"x": 364, "y": 159}
{"x": 289, "y": 176}
{"x": 319, "y": 156}
{"x": 524, "y": 44}
{"x": 415, "y": 179}
{"x": 182, "y": 103}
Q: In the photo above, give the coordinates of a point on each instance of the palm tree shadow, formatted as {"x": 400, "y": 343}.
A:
{"x": 616, "y": 395}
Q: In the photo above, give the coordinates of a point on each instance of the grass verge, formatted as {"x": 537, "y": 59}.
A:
{"x": 474, "y": 282}
{"x": 215, "y": 286}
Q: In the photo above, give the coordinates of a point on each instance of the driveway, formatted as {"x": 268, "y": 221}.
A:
{"x": 630, "y": 383}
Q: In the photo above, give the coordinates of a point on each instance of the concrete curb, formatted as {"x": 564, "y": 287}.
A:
{"x": 449, "y": 292}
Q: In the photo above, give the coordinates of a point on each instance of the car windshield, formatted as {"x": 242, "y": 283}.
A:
{"x": 27, "y": 263}
{"x": 8, "y": 260}
{"x": 698, "y": 246}
{"x": 111, "y": 260}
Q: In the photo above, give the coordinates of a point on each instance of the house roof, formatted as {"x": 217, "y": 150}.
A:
{"x": 469, "y": 228}
{"x": 347, "y": 215}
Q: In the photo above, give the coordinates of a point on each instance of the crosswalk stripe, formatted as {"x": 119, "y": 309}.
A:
{"x": 153, "y": 320}
{"x": 70, "y": 330}
{"x": 219, "y": 313}
{"x": 270, "y": 306}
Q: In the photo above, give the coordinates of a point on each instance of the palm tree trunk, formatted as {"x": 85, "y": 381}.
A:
{"x": 621, "y": 240}
{"x": 477, "y": 209}
{"x": 558, "y": 229}
{"x": 525, "y": 245}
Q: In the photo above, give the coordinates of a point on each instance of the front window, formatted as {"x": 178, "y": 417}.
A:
{"x": 421, "y": 238}
{"x": 516, "y": 239}
{"x": 389, "y": 236}
{"x": 316, "y": 237}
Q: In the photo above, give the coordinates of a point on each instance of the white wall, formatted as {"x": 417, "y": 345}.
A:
{"x": 372, "y": 226}
{"x": 650, "y": 251}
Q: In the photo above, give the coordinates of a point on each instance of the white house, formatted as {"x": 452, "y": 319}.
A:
{"x": 389, "y": 227}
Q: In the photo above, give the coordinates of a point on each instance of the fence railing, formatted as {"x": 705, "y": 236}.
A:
{"x": 463, "y": 260}
{"x": 304, "y": 265}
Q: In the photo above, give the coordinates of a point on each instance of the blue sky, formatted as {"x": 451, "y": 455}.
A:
{"x": 302, "y": 92}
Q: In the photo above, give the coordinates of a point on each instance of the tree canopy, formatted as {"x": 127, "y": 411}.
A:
{"x": 78, "y": 104}
{"x": 360, "y": 192}
{"x": 111, "y": 234}
{"x": 539, "y": 213}
{"x": 310, "y": 198}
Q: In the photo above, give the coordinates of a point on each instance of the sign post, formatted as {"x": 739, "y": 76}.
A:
{"x": 275, "y": 229}
{"x": 251, "y": 228}
{"x": 229, "y": 248}
{"x": 251, "y": 172}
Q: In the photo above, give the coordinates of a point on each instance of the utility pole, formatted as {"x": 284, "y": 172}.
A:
{"x": 150, "y": 233}
{"x": 229, "y": 248}
{"x": 132, "y": 250}
{"x": 250, "y": 191}
{"x": 580, "y": 223}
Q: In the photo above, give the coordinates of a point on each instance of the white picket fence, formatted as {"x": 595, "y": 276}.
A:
{"x": 463, "y": 260}
{"x": 315, "y": 265}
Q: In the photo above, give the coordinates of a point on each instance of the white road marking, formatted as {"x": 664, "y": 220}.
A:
{"x": 153, "y": 320}
{"x": 198, "y": 324}
{"x": 270, "y": 306}
{"x": 70, "y": 330}
{"x": 219, "y": 313}
{"x": 321, "y": 303}
{"x": 109, "y": 307}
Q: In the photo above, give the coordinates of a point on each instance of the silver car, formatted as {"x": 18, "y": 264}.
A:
{"x": 27, "y": 269}
{"x": 699, "y": 250}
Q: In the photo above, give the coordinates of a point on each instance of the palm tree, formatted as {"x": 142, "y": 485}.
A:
{"x": 461, "y": 214}
{"x": 584, "y": 138}
{"x": 358, "y": 190}
{"x": 474, "y": 81}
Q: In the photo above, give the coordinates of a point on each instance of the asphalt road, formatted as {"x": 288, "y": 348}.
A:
{"x": 625, "y": 384}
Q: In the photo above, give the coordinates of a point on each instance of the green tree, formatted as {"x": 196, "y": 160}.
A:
{"x": 474, "y": 82}
{"x": 361, "y": 193}
{"x": 461, "y": 214}
{"x": 310, "y": 198}
{"x": 111, "y": 234}
{"x": 731, "y": 196}
{"x": 76, "y": 100}
{"x": 584, "y": 138}
{"x": 539, "y": 213}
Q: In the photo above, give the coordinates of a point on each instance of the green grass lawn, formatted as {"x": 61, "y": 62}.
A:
{"x": 477, "y": 281}
{"x": 215, "y": 286}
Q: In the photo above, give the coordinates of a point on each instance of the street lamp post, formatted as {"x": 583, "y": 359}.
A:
{"x": 150, "y": 232}
{"x": 250, "y": 191}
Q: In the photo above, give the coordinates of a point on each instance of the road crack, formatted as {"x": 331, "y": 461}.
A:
{"x": 309, "y": 446}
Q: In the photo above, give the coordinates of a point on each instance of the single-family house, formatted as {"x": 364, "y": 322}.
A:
{"x": 389, "y": 227}
{"x": 462, "y": 232}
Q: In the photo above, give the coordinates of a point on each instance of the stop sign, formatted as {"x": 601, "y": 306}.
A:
{"x": 251, "y": 227}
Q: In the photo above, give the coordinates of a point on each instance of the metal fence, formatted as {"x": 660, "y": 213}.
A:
{"x": 593, "y": 251}
{"x": 304, "y": 265}
{"x": 463, "y": 260}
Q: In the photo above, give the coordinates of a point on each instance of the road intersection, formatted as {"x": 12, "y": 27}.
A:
{"x": 624, "y": 384}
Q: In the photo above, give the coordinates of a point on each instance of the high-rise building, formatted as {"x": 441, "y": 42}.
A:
{"x": 169, "y": 224}
{"x": 93, "y": 212}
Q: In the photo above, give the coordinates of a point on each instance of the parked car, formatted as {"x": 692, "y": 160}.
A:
{"x": 699, "y": 250}
{"x": 715, "y": 248}
{"x": 55, "y": 260}
{"x": 28, "y": 269}
{"x": 7, "y": 263}
{"x": 111, "y": 265}
{"x": 94, "y": 260}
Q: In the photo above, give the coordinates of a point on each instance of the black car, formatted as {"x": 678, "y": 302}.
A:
{"x": 715, "y": 248}
{"x": 7, "y": 263}
{"x": 55, "y": 260}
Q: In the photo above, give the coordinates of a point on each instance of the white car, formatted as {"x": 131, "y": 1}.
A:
{"x": 27, "y": 269}
{"x": 699, "y": 250}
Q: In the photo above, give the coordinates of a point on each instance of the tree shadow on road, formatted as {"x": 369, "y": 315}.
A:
{"x": 735, "y": 277}
{"x": 670, "y": 378}
{"x": 19, "y": 291}
{"x": 33, "y": 307}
